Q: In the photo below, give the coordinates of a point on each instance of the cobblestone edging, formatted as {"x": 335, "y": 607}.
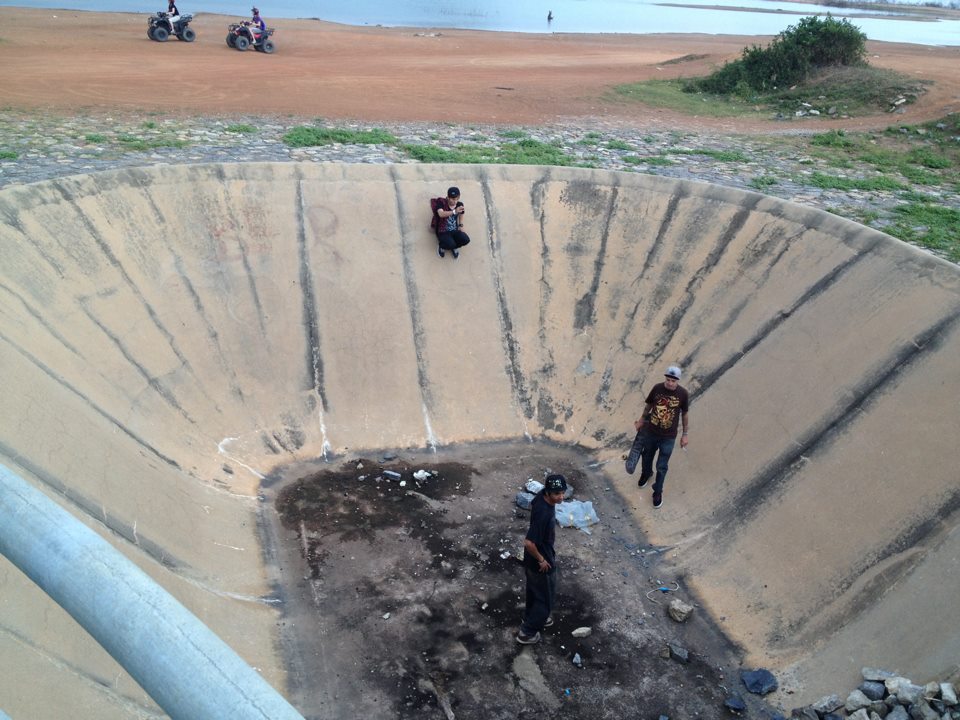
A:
{"x": 48, "y": 147}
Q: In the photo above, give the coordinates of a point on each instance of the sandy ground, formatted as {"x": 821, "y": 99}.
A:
{"x": 66, "y": 61}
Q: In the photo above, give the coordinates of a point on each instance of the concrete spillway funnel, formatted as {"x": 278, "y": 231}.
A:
{"x": 170, "y": 336}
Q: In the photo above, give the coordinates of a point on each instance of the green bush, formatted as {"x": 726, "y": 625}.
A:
{"x": 811, "y": 44}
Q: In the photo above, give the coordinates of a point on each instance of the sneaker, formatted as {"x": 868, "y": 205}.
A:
{"x": 657, "y": 499}
{"x": 528, "y": 639}
{"x": 439, "y": 251}
{"x": 456, "y": 254}
{"x": 548, "y": 623}
{"x": 643, "y": 480}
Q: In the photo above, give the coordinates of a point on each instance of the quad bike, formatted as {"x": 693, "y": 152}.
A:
{"x": 158, "y": 27}
{"x": 243, "y": 35}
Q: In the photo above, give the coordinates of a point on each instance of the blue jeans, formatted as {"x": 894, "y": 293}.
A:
{"x": 662, "y": 447}
{"x": 541, "y": 590}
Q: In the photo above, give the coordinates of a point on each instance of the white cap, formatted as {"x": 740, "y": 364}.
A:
{"x": 673, "y": 372}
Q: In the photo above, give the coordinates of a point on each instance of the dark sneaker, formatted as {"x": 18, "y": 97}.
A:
{"x": 439, "y": 251}
{"x": 657, "y": 499}
{"x": 643, "y": 480}
{"x": 456, "y": 254}
{"x": 548, "y": 623}
{"x": 528, "y": 639}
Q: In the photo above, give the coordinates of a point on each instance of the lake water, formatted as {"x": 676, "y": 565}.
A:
{"x": 569, "y": 16}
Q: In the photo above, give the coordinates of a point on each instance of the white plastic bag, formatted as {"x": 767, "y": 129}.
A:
{"x": 576, "y": 513}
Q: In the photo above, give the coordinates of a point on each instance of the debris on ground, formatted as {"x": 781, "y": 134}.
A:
{"x": 679, "y": 610}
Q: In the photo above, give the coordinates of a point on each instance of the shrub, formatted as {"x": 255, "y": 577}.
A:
{"x": 811, "y": 44}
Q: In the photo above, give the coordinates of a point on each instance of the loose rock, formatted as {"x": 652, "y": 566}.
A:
{"x": 679, "y": 610}
{"x": 759, "y": 681}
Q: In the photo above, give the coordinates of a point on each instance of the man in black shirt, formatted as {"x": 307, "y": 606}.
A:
{"x": 665, "y": 409}
{"x": 539, "y": 561}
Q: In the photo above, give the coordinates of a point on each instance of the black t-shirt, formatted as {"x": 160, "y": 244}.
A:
{"x": 666, "y": 407}
{"x": 543, "y": 530}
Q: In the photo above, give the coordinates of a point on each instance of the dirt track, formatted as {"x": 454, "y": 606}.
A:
{"x": 67, "y": 60}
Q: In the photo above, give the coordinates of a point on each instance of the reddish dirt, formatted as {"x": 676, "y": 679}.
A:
{"x": 69, "y": 61}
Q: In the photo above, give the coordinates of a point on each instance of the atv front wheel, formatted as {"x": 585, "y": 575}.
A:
{"x": 268, "y": 46}
{"x": 160, "y": 34}
{"x": 242, "y": 43}
{"x": 150, "y": 32}
{"x": 188, "y": 35}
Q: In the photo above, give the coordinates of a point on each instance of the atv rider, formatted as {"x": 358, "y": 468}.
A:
{"x": 173, "y": 15}
{"x": 257, "y": 22}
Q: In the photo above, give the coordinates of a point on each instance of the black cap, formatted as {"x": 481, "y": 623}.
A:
{"x": 555, "y": 484}
{"x": 453, "y": 192}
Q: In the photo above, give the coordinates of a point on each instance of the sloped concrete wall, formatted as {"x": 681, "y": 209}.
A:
{"x": 169, "y": 336}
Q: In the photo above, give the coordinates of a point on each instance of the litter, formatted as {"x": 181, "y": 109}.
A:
{"x": 576, "y": 513}
{"x": 664, "y": 589}
{"x": 524, "y": 500}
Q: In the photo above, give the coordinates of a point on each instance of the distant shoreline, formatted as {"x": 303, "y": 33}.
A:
{"x": 875, "y": 16}
{"x": 882, "y": 11}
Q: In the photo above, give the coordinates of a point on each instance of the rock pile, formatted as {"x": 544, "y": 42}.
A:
{"x": 886, "y": 696}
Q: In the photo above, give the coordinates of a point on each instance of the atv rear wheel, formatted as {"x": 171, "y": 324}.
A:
{"x": 268, "y": 46}
{"x": 188, "y": 35}
{"x": 242, "y": 43}
{"x": 160, "y": 34}
{"x": 150, "y": 32}
{"x": 231, "y": 40}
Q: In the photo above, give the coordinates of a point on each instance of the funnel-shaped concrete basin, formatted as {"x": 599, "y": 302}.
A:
{"x": 170, "y": 336}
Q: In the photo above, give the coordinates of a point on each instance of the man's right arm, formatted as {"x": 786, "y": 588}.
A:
{"x": 531, "y": 547}
{"x": 644, "y": 417}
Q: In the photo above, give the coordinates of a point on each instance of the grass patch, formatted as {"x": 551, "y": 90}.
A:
{"x": 313, "y": 136}
{"x": 721, "y": 155}
{"x": 919, "y": 175}
{"x": 853, "y": 91}
{"x": 907, "y": 158}
{"x": 512, "y": 134}
{"x": 95, "y": 138}
{"x": 8, "y": 155}
{"x": 655, "y": 160}
{"x": 932, "y": 226}
{"x": 131, "y": 143}
{"x": 928, "y": 158}
{"x": 149, "y": 125}
{"x": 835, "y": 182}
{"x": 240, "y": 128}
{"x": 524, "y": 152}
{"x": 763, "y": 182}
{"x": 670, "y": 94}
{"x": 619, "y": 145}
{"x": 835, "y": 139}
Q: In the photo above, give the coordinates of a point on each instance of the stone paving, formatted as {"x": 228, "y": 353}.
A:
{"x": 38, "y": 146}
